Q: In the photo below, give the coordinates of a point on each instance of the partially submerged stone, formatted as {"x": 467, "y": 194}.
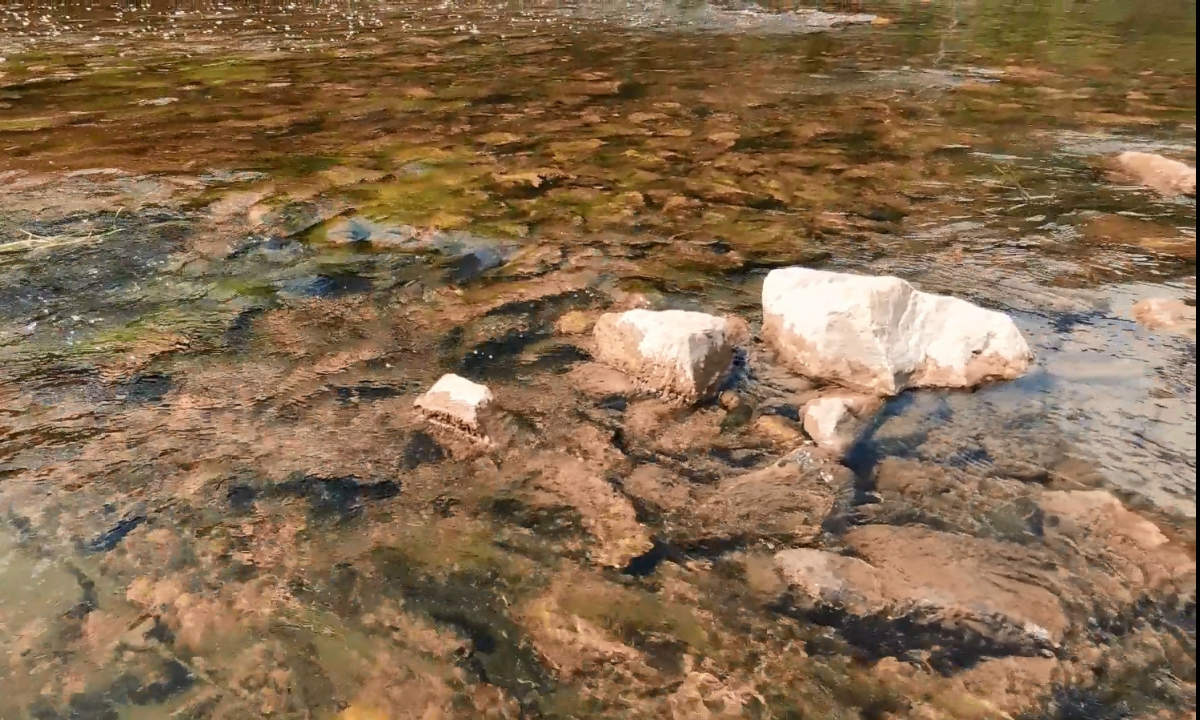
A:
{"x": 1168, "y": 314}
{"x": 1133, "y": 548}
{"x": 360, "y": 230}
{"x": 944, "y": 589}
{"x": 676, "y": 353}
{"x": 1163, "y": 175}
{"x": 457, "y": 404}
{"x": 830, "y": 421}
{"x": 881, "y": 335}
{"x": 787, "y": 500}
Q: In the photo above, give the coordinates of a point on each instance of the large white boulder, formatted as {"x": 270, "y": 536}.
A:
{"x": 457, "y": 404}
{"x": 880, "y": 335}
{"x": 679, "y": 354}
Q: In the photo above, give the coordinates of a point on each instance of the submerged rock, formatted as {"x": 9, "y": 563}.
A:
{"x": 1163, "y": 175}
{"x": 677, "y": 353}
{"x": 457, "y": 404}
{"x": 880, "y": 335}
{"x": 1133, "y": 548}
{"x": 1167, "y": 314}
{"x": 789, "y": 499}
{"x": 362, "y": 230}
{"x": 944, "y": 589}
{"x": 830, "y": 421}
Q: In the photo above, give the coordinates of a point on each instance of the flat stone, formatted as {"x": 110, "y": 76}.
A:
{"x": 456, "y": 404}
{"x": 679, "y": 354}
{"x": 880, "y": 335}
{"x": 1163, "y": 175}
{"x": 955, "y": 586}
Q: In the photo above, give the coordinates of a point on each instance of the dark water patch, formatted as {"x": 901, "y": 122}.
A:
{"x": 546, "y": 308}
{"x": 616, "y": 403}
{"x": 551, "y": 521}
{"x": 241, "y": 497}
{"x": 947, "y": 649}
{"x": 472, "y": 265}
{"x": 786, "y": 410}
{"x": 147, "y": 388}
{"x": 558, "y": 359}
{"x": 499, "y": 358}
{"x": 366, "y": 391}
{"x": 648, "y": 562}
{"x": 110, "y": 538}
{"x": 339, "y": 497}
{"x": 869, "y": 449}
{"x": 327, "y": 286}
{"x": 742, "y": 459}
{"x": 471, "y": 603}
{"x": 240, "y": 330}
{"x": 422, "y": 449}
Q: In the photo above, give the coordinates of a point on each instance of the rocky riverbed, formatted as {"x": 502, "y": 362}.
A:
{"x": 666, "y": 482}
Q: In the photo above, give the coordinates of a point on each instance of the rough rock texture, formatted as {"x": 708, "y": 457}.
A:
{"x": 1165, "y": 176}
{"x": 830, "y": 421}
{"x": 457, "y": 404}
{"x": 1167, "y": 314}
{"x": 974, "y": 590}
{"x": 788, "y": 499}
{"x": 607, "y": 515}
{"x": 677, "y": 353}
{"x": 1130, "y": 546}
{"x": 880, "y": 335}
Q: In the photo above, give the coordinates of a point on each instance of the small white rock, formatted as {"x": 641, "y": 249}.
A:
{"x": 677, "y": 353}
{"x": 456, "y": 404}
{"x": 830, "y": 421}
{"x": 1164, "y": 175}
{"x": 880, "y": 335}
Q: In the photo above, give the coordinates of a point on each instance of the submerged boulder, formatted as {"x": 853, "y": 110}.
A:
{"x": 679, "y": 354}
{"x": 1163, "y": 175}
{"x": 1168, "y": 314}
{"x": 881, "y": 335}
{"x": 936, "y": 588}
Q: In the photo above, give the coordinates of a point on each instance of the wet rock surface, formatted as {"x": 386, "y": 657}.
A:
{"x": 228, "y": 274}
{"x": 880, "y": 335}
{"x": 675, "y": 353}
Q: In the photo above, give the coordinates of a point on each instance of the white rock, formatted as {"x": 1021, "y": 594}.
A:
{"x": 456, "y": 404}
{"x": 1164, "y": 175}
{"x": 880, "y": 335}
{"x": 677, "y": 353}
{"x": 830, "y": 421}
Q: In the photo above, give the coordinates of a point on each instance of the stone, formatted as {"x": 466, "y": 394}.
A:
{"x": 1167, "y": 314}
{"x": 830, "y": 421}
{"x": 1163, "y": 175}
{"x": 676, "y": 353}
{"x": 951, "y": 588}
{"x": 457, "y": 404}
{"x": 788, "y": 500}
{"x": 1128, "y": 545}
{"x": 778, "y": 429}
{"x": 880, "y": 335}
{"x": 360, "y": 230}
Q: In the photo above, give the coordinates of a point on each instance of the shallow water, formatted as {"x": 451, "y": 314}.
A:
{"x": 205, "y": 371}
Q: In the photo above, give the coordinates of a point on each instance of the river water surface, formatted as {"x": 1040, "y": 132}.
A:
{"x": 236, "y": 240}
